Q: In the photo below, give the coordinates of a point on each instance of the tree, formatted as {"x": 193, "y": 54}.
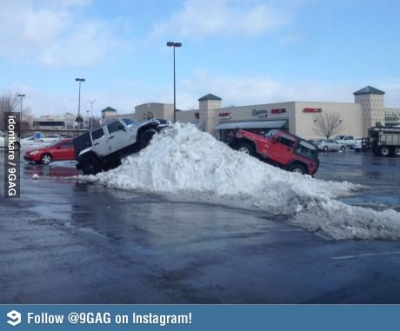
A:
{"x": 11, "y": 102}
{"x": 8, "y": 103}
{"x": 327, "y": 124}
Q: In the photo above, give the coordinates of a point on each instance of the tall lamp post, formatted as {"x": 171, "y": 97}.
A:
{"x": 79, "y": 118}
{"x": 20, "y": 121}
{"x": 174, "y": 45}
{"x": 91, "y": 113}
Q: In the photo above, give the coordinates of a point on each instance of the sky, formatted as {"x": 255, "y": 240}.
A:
{"x": 167, "y": 166}
{"x": 246, "y": 52}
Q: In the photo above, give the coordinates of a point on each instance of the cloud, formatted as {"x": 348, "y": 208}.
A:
{"x": 250, "y": 90}
{"x": 200, "y": 18}
{"x": 51, "y": 33}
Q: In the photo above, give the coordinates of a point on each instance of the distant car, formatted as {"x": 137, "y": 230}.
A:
{"x": 329, "y": 145}
{"x": 50, "y": 137}
{"x": 62, "y": 150}
{"x": 348, "y": 141}
{"x": 17, "y": 145}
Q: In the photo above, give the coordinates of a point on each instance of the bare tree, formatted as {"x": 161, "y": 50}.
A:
{"x": 8, "y": 103}
{"x": 327, "y": 123}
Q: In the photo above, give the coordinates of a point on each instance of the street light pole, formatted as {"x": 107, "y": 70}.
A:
{"x": 20, "y": 121}
{"x": 91, "y": 114}
{"x": 79, "y": 119}
{"x": 174, "y": 45}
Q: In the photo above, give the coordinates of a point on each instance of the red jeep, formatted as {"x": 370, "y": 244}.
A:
{"x": 278, "y": 148}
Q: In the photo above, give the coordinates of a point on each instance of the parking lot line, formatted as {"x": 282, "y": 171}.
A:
{"x": 363, "y": 255}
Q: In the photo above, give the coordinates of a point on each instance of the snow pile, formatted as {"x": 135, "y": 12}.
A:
{"x": 187, "y": 163}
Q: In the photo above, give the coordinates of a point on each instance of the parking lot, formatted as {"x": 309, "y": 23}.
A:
{"x": 67, "y": 241}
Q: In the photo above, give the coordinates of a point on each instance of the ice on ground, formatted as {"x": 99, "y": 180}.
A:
{"x": 183, "y": 161}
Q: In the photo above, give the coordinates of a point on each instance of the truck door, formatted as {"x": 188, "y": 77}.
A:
{"x": 117, "y": 136}
{"x": 282, "y": 150}
{"x": 100, "y": 143}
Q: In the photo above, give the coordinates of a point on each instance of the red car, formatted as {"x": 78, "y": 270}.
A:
{"x": 62, "y": 150}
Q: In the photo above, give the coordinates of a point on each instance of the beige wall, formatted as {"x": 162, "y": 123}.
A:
{"x": 159, "y": 110}
{"x": 350, "y": 115}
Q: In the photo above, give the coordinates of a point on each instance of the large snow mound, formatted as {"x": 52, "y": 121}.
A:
{"x": 185, "y": 162}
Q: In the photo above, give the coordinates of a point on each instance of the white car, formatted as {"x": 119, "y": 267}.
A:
{"x": 329, "y": 145}
{"x": 17, "y": 145}
{"x": 348, "y": 141}
{"x": 50, "y": 137}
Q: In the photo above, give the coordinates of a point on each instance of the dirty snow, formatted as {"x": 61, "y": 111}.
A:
{"x": 191, "y": 165}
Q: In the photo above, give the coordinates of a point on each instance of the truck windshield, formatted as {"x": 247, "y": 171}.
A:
{"x": 306, "y": 149}
{"x": 128, "y": 121}
{"x": 270, "y": 134}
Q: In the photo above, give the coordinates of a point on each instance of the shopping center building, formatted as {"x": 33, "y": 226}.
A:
{"x": 298, "y": 117}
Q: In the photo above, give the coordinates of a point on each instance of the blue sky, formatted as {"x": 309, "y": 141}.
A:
{"x": 246, "y": 52}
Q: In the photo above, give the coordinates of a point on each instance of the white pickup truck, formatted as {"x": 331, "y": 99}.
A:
{"x": 347, "y": 140}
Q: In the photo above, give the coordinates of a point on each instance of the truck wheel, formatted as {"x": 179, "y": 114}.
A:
{"x": 146, "y": 137}
{"x": 46, "y": 159}
{"x": 111, "y": 164}
{"x": 396, "y": 151}
{"x": 297, "y": 168}
{"x": 245, "y": 148}
{"x": 385, "y": 151}
{"x": 91, "y": 166}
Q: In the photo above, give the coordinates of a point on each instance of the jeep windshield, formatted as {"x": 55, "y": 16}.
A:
{"x": 307, "y": 149}
{"x": 128, "y": 121}
{"x": 270, "y": 134}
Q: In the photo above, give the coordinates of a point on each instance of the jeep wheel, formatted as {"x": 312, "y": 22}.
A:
{"x": 146, "y": 137}
{"x": 297, "y": 168}
{"x": 245, "y": 148}
{"x": 385, "y": 151}
{"x": 91, "y": 166}
{"x": 111, "y": 164}
{"x": 46, "y": 159}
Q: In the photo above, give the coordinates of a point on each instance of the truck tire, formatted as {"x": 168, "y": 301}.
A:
{"x": 297, "y": 167}
{"x": 396, "y": 151}
{"x": 146, "y": 137}
{"x": 111, "y": 164}
{"x": 245, "y": 147}
{"x": 91, "y": 166}
{"x": 385, "y": 151}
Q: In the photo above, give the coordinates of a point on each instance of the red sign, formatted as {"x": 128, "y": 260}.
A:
{"x": 224, "y": 115}
{"x": 312, "y": 110}
{"x": 278, "y": 110}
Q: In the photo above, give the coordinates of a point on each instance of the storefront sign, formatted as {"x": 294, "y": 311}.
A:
{"x": 224, "y": 116}
{"x": 312, "y": 110}
{"x": 259, "y": 112}
{"x": 278, "y": 111}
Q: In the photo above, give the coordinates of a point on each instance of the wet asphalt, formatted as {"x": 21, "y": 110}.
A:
{"x": 64, "y": 241}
